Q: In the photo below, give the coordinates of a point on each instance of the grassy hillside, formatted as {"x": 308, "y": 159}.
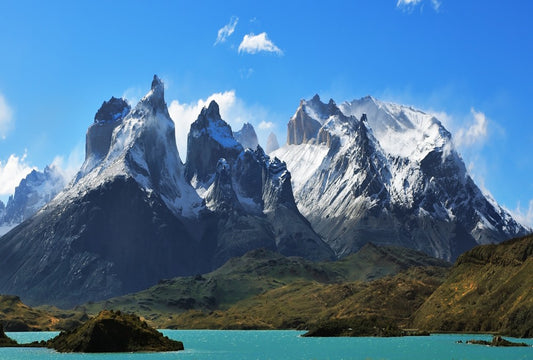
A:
{"x": 255, "y": 273}
{"x": 16, "y": 316}
{"x": 489, "y": 289}
{"x": 303, "y": 303}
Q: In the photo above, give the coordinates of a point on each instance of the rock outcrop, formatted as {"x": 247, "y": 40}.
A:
{"x": 111, "y": 331}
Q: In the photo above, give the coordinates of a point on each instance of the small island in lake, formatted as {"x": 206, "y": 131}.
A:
{"x": 109, "y": 331}
{"x": 496, "y": 341}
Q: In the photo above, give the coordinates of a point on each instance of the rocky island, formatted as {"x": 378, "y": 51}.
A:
{"x": 113, "y": 331}
{"x": 109, "y": 331}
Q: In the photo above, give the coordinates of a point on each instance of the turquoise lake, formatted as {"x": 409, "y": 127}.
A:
{"x": 281, "y": 345}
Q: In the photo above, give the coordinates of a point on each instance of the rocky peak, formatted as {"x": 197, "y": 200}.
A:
{"x": 278, "y": 189}
{"x": 107, "y": 118}
{"x": 155, "y": 99}
{"x": 221, "y": 196}
{"x": 212, "y": 111}
{"x": 32, "y": 193}
{"x": 272, "y": 143}
{"x": 113, "y": 110}
{"x": 247, "y": 136}
{"x": 301, "y": 127}
{"x": 210, "y": 138}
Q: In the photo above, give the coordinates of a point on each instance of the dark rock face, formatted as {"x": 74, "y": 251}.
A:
{"x": 113, "y": 332}
{"x": 106, "y": 119}
{"x": 97, "y": 247}
{"x": 246, "y": 136}
{"x": 221, "y": 194}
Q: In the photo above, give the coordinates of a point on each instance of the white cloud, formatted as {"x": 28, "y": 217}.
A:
{"x": 436, "y": 4}
{"x": 409, "y": 5}
{"x": 265, "y": 125}
{"x": 11, "y": 172}
{"x": 524, "y": 216}
{"x": 226, "y": 30}
{"x": 6, "y": 115}
{"x": 253, "y": 44}
{"x": 474, "y": 133}
{"x": 72, "y": 164}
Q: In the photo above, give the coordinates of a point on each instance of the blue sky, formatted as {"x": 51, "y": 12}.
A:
{"x": 467, "y": 61}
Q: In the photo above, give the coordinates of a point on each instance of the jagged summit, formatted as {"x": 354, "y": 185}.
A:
{"x": 246, "y": 136}
{"x": 370, "y": 169}
{"x": 113, "y": 110}
{"x": 155, "y": 98}
{"x": 309, "y": 118}
{"x": 210, "y": 138}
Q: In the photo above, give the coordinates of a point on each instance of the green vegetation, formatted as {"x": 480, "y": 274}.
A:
{"x": 302, "y": 304}
{"x": 180, "y": 302}
{"x": 489, "y": 289}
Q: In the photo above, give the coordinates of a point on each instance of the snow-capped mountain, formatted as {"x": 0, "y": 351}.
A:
{"x": 386, "y": 173}
{"x": 246, "y": 136}
{"x": 131, "y": 217}
{"x": 124, "y": 223}
{"x": 32, "y": 193}
{"x": 272, "y": 143}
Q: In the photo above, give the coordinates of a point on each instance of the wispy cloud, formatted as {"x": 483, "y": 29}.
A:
{"x": 6, "y": 117}
{"x": 70, "y": 165}
{"x": 410, "y": 5}
{"x": 524, "y": 215}
{"x": 265, "y": 125}
{"x": 12, "y": 171}
{"x": 253, "y": 44}
{"x": 474, "y": 133}
{"x": 226, "y": 30}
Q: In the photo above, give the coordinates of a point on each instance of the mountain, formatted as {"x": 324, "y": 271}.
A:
{"x": 387, "y": 173}
{"x": 249, "y": 194}
{"x": 272, "y": 143}
{"x": 246, "y": 136}
{"x": 489, "y": 289}
{"x": 120, "y": 226}
{"x": 32, "y": 193}
{"x": 135, "y": 214}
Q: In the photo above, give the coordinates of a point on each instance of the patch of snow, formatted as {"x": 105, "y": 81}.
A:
{"x": 302, "y": 161}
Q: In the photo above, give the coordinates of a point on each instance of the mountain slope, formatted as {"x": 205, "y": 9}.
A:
{"x": 489, "y": 289}
{"x": 32, "y": 193}
{"x": 388, "y": 174}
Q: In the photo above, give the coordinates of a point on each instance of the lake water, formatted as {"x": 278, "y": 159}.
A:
{"x": 280, "y": 345}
